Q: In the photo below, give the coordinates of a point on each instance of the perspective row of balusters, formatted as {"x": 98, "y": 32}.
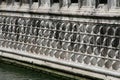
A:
{"x": 87, "y": 43}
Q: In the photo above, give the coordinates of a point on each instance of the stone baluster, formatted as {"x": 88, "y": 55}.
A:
{"x": 113, "y": 4}
{"x": 88, "y": 3}
{"x": 9, "y": 2}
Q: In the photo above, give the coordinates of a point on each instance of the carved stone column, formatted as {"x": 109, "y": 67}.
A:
{"x": 113, "y": 3}
{"x": 80, "y": 3}
{"x": 89, "y": 3}
{"x": 25, "y": 1}
{"x": 47, "y": 3}
{"x": 117, "y": 2}
{"x": 9, "y": 2}
{"x": 92, "y": 3}
{"x": 42, "y": 2}
{"x": 66, "y": 3}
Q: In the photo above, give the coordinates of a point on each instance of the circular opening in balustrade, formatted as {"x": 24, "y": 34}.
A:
{"x": 54, "y": 44}
{"x": 73, "y": 57}
{"x": 107, "y": 41}
{"x": 83, "y": 48}
{"x": 90, "y": 50}
{"x": 69, "y": 27}
{"x": 110, "y": 31}
{"x": 67, "y": 36}
{"x": 42, "y": 50}
{"x": 89, "y": 28}
{"x": 47, "y": 52}
{"x": 104, "y": 52}
{"x": 57, "y": 53}
{"x": 82, "y": 27}
{"x": 100, "y": 40}
{"x": 87, "y": 60}
{"x": 103, "y": 30}
{"x": 97, "y": 50}
{"x": 117, "y": 32}
{"x": 71, "y": 46}
{"x": 77, "y": 48}
{"x": 49, "y": 43}
{"x": 112, "y": 53}
{"x": 108, "y": 64}
{"x": 79, "y": 38}
{"x": 116, "y": 65}
{"x": 28, "y": 48}
{"x": 59, "y": 44}
{"x": 96, "y": 29}
{"x": 86, "y": 39}
{"x": 93, "y": 40}
{"x": 115, "y": 42}
{"x": 94, "y": 61}
{"x": 118, "y": 54}
{"x": 65, "y": 45}
{"x": 80, "y": 58}
{"x": 101, "y": 62}
{"x": 63, "y": 55}
{"x": 62, "y": 35}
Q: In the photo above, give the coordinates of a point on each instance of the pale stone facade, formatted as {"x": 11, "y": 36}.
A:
{"x": 78, "y": 35}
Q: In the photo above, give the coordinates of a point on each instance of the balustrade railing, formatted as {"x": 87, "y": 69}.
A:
{"x": 96, "y": 45}
{"x": 66, "y": 31}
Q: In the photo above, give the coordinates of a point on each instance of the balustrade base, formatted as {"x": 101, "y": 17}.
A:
{"x": 72, "y": 72}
